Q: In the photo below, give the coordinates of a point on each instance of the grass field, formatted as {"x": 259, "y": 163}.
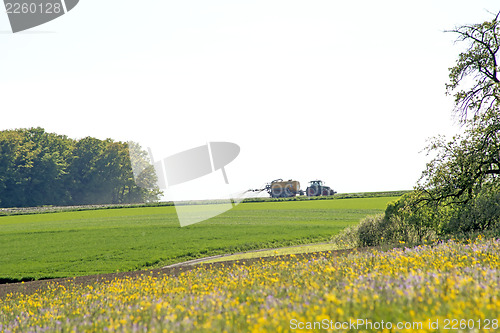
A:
{"x": 77, "y": 243}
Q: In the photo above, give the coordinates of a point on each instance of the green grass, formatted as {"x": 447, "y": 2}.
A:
{"x": 54, "y": 209}
{"x": 307, "y": 248}
{"x": 102, "y": 241}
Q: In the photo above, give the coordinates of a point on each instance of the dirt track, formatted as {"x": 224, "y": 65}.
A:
{"x": 33, "y": 286}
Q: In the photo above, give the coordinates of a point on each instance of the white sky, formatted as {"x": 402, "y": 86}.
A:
{"x": 344, "y": 91}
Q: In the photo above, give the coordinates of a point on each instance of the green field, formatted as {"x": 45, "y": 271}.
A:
{"x": 108, "y": 240}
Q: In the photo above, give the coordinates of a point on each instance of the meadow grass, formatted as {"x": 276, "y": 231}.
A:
{"x": 297, "y": 249}
{"x": 78, "y": 243}
{"x": 441, "y": 287}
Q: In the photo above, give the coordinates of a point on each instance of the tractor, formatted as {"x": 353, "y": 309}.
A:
{"x": 317, "y": 188}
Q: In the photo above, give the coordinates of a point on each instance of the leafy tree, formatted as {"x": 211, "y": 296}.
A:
{"x": 47, "y": 177}
{"x": 84, "y": 172}
{"x": 464, "y": 171}
{"x": 143, "y": 179}
{"x": 464, "y": 165}
{"x": 102, "y": 173}
{"x": 11, "y": 165}
{"x": 40, "y": 168}
{"x": 33, "y": 168}
{"x": 474, "y": 80}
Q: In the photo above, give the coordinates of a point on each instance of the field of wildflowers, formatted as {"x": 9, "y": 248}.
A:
{"x": 447, "y": 286}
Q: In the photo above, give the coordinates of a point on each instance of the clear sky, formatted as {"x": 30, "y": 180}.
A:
{"x": 344, "y": 91}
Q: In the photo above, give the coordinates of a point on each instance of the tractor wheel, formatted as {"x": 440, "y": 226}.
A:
{"x": 312, "y": 191}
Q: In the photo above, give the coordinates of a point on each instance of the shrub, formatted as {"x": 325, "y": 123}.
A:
{"x": 379, "y": 230}
{"x": 403, "y": 221}
{"x": 415, "y": 219}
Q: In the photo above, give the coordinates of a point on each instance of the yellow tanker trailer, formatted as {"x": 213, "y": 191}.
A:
{"x": 283, "y": 189}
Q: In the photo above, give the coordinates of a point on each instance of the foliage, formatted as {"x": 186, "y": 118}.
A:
{"x": 398, "y": 224}
{"x": 33, "y": 167}
{"x": 417, "y": 286}
{"x": 143, "y": 173}
{"x": 479, "y": 215}
{"x": 465, "y": 165}
{"x": 413, "y": 219}
{"x": 39, "y": 168}
{"x": 462, "y": 177}
{"x": 460, "y": 180}
{"x": 103, "y": 241}
{"x": 476, "y": 69}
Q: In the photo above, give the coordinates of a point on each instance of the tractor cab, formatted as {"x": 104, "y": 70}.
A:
{"x": 316, "y": 183}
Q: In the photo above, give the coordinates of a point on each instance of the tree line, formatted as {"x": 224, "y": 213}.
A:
{"x": 39, "y": 168}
